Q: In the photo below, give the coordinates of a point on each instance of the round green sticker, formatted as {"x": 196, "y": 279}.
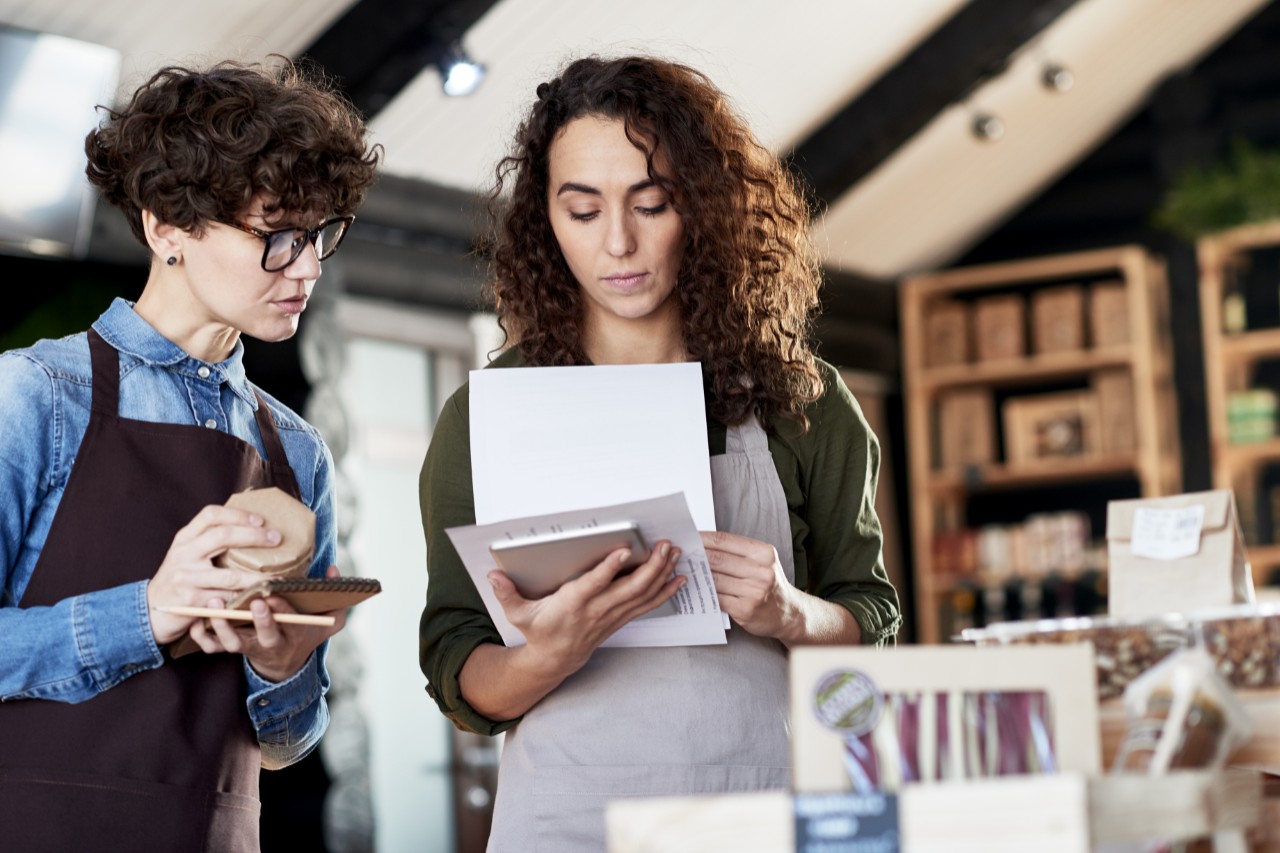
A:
{"x": 847, "y": 701}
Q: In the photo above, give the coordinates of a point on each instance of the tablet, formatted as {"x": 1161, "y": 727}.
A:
{"x": 539, "y": 564}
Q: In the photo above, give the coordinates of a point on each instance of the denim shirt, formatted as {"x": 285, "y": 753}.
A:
{"x": 89, "y": 643}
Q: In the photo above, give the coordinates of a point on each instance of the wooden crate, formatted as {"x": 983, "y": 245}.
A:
{"x": 1057, "y": 319}
{"x": 999, "y": 327}
{"x": 966, "y": 428}
{"x": 1108, "y": 314}
{"x": 946, "y": 325}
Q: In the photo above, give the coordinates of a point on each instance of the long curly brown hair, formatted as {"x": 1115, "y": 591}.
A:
{"x": 195, "y": 147}
{"x": 749, "y": 280}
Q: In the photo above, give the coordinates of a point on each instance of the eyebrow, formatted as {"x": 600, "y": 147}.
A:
{"x": 571, "y": 187}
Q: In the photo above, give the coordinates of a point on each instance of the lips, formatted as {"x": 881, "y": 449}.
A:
{"x": 292, "y": 306}
{"x": 626, "y": 280}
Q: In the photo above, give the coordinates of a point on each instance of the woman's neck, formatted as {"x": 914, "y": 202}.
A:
{"x": 632, "y": 342}
{"x": 172, "y": 312}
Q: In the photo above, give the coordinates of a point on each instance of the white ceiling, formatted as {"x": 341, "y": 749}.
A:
{"x": 788, "y": 67}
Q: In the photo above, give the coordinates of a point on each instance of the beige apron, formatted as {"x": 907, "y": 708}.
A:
{"x": 658, "y": 721}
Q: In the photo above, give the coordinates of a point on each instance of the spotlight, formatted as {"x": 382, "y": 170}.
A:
{"x": 987, "y": 127}
{"x": 461, "y": 75}
{"x": 1057, "y": 78}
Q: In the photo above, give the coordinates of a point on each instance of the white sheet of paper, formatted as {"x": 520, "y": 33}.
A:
{"x": 698, "y": 620}
{"x": 552, "y": 439}
{"x": 1167, "y": 534}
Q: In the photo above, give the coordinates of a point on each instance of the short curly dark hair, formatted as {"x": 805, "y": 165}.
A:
{"x": 749, "y": 280}
{"x": 196, "y": 146}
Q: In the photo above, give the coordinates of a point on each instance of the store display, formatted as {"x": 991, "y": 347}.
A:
{"x": 1243, "y": 642}
{"x": 1241, "y": 348}
{"x": 946, "y": 328}
{"x": 1251, "y": 415}
{"x": 1175, "y": 554}
{"x": 1108, "y": 314}
{"x": 1050, "y": 426}
{"x": 1057, "y": 319}
{"x": 876, "y": 718}
{"x": 1180, "y": 715}
{"x": 999, "y": 327}
{"x": 966, "y": 433}
{"x": 1117, "y": 428}
{"x": 1125, "y": 441}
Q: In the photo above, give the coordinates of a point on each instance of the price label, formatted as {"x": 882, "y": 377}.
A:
{"x": 1167, "y": 534}
{"x": 846, "y": 823}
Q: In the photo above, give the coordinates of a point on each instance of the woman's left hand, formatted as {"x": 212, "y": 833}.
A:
{"x": 751, "y": 584}
{"x": 274, "y": 650}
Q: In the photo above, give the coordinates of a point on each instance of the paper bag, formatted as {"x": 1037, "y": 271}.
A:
{"x": 1175, "y": 555}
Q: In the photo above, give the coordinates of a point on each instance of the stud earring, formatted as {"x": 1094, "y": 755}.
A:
{"x": 172, "y": 260}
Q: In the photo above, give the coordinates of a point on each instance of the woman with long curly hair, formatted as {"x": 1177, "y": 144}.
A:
{"x": 639, "y": 221}
{"x": 120, "y": 446}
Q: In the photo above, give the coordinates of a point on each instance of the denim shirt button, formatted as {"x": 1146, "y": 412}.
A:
{"x": 203, "y": 372}
{"x": 262, "y": 703}
{"x": 211, "y": 423}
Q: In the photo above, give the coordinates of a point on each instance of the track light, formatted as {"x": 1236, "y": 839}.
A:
{"x": 1056, "y": 78}
{"x": 987, "y": 127}
{"x": 461, "y": 75}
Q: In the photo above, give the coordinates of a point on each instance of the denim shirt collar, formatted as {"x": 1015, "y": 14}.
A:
{"x": 122, "y": 327}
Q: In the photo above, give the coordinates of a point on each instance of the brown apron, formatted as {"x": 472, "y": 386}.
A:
{"x": 167, "y": 759}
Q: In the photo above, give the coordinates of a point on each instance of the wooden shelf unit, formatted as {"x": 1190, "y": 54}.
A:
{"x": 938, "y": 497}
{"x": 1229, "y": 360}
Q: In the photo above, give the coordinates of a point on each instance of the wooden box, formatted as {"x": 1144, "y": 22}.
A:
{"x": 998, "y": 327}
{"x": 1118, "y": 429}
{"x": 1059, "y": 813}
{"x": 1108, "y": 314}
{"x": 946, "y": 333}
{"x": 1057, "y": 319}
{"x": 966, "y": 428}
{"x": 843, "y": 692}
{"x": 1050, "y": 426}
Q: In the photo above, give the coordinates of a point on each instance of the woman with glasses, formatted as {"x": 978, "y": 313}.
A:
{"x": 642, "y": 223}
{"x": 118, "y": 448}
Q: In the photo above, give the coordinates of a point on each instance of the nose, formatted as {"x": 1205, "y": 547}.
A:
{"x": 306, "y": 266}
{"x": 621, "y": 239}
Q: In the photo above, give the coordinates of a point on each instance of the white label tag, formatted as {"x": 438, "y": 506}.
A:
{"x": 1167, "y": 534}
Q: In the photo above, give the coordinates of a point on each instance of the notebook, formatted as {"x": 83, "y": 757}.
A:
{"x": 305, "y": 595}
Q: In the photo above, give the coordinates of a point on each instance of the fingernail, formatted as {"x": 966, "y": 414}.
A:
{"x": 255, "y": 519}
{"x": 493, "y": 582}
{"x": 675, "y": 553}
{"x": 624, "y": 555}
{"x": 273, "y": 536}
{"x": 663, "y": 550}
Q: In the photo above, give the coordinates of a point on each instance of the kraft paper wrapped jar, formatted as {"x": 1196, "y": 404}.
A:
{"x": 296, "y": 524}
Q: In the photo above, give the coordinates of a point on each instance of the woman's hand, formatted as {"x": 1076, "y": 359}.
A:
{"x": 571, "y": 623}
{"x": 755, "y": 592}
{"x": 562, "y": 630}
{"x": 275, "y": 651}
{"x": 751, "y": 584}
{"x": 187, "y": 576}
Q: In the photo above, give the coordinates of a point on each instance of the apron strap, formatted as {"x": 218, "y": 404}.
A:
{"x": 106, "y": 376}
{"x": 280, "y": 470}
{"x": 747, "y": 437}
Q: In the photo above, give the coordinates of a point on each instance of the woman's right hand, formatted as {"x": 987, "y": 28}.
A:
{"x": 562, "y": 630}
{"x": 565, "y": 627}
{"x": 187, "y": 575}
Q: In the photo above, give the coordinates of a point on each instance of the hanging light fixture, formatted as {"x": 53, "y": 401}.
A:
{"x": 461, "y": 75}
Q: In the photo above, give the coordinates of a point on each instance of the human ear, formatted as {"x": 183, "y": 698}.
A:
{"x": 165, "y": 240}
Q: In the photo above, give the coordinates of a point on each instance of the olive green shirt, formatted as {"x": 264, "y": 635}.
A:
{"x": 828, "y": 474}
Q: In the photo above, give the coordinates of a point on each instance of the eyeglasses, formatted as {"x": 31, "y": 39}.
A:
{"x": 283, "y": 247}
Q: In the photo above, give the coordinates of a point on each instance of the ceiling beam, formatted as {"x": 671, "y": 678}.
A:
{"x": 378, "y": 46}
{"x": 974, "y": 45}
